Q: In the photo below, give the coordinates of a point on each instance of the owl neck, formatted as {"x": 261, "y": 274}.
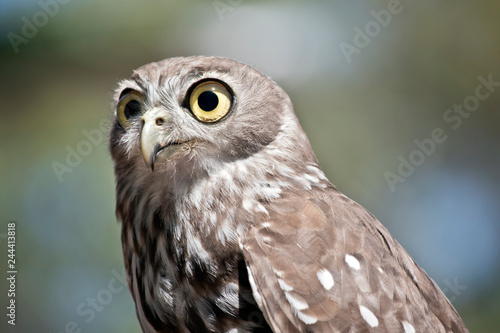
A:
{"x": 234, "y": 194}
{"x": 220, "y": 199}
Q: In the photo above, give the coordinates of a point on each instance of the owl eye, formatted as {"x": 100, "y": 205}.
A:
{"x": 210, "y": 101}
{"x": 129, "y": 106}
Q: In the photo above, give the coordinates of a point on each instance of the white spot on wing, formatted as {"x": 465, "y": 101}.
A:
{"x": 316, "y": 171}
{"x": 261, "y": 208}
{"x": 326, "y": 278}
{"x": 267, "y": 239}
{"x": 368, "y": 316}
{"x": 380, "y": 269}
{"x": 295, "y": 302}
{"x": 310, "y": 178}
{"x": 304, "y": 182}
{"x": 408, "y": 327}
{"x": 253, "y": 206}
{"x": 308, "y": 320}
{"x": 270, "y": 192}
{"x": 284, "y": 285}
{"x": 351, "y": 261}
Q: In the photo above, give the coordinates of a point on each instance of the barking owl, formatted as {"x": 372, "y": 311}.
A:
{"x": 230, "y": 225}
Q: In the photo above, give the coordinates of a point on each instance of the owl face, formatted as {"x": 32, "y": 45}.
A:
{"x": 195, "y": 112}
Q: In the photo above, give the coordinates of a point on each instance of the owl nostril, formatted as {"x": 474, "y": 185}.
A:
{"x": 159, "y": 121}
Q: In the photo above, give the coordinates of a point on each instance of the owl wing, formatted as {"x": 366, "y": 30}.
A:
{"x": 322, "y": 263}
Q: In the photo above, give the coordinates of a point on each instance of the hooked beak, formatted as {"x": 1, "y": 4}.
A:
{"x": 155, "y": 124}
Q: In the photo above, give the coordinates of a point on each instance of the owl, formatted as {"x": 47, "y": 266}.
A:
{"x": 230, "y": 225}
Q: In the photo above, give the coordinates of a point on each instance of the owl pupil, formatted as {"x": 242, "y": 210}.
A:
{"x": 208, "y": 101}
{"x": 132, "y": 109}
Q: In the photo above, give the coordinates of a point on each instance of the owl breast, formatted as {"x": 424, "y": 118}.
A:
{"x": 180, "y": 290}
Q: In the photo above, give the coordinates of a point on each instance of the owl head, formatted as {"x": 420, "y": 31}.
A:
{"x": 187, "y": 116}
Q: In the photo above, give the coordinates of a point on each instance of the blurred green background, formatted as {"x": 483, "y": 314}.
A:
{"x": 364, "y": 91}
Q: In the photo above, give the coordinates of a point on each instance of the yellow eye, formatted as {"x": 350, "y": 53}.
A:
{"x": 210, "y": 101}
{"x": 129, "y": 106}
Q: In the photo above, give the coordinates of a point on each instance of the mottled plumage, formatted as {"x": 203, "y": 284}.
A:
{"x": 230, "y": 225}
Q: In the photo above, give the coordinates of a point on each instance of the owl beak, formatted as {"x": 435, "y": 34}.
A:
{"x": 154, "y": 129}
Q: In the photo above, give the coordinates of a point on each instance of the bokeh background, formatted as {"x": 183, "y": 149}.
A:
{"x": 363, "y": 101}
